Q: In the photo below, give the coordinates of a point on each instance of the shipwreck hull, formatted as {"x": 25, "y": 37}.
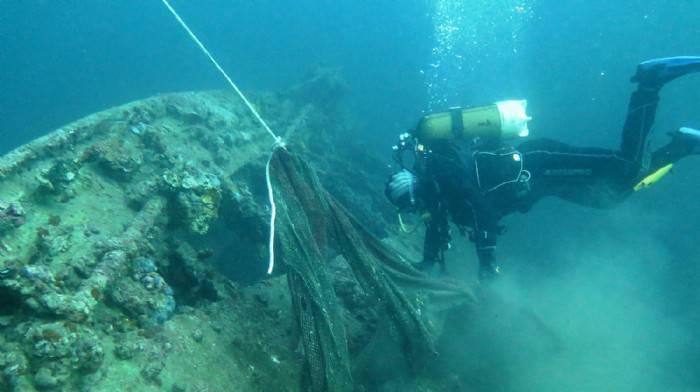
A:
{"x": 133, "y": 246}
{"x": 103, "y": 228}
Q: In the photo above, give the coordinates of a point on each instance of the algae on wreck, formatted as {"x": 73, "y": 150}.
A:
{"x": 104, "y": 244}
{"x": 134, "y": 242}
{"x": 120, "y": 234}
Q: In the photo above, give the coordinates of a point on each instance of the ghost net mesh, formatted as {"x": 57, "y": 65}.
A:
{"x": 311, "y": 224}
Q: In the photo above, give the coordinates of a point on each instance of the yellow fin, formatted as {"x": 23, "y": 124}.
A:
{"x": 653, "y": 177}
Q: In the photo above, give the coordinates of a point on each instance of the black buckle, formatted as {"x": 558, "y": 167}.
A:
{"x": 457, "y": 122}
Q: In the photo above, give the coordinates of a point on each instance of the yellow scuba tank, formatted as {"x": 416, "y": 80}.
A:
{"x": 504, "y": 120}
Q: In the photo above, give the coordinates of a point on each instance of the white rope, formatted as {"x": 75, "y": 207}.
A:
{"x": 273, "y": 215}
{"x": 278, "y": 140}
{"x": 221, "y": 70}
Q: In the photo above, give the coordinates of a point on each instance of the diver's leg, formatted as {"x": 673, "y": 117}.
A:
{"x": 594, "y": 177}
{"x": 651, "y": 76}
{"x": 598, "y": 177}
{"x": 684, "y": 142}
{"x": 640, "y": 118}
{"x": 655, "y": 73}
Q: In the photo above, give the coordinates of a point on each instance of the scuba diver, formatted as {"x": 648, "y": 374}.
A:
{"x": 466, "y": 167}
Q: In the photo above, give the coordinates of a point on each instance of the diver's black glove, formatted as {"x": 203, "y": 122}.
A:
{"x": 402, "y": 190}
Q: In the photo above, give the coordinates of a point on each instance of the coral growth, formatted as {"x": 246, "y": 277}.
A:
{"x": 119, "y": 233}
{"x": 196, "y": 196}
{"x": 120, "y": 159}
{"x": 144, "y": 294}
{"x": 11, "y": 215}
{"x": 58, "y": 178}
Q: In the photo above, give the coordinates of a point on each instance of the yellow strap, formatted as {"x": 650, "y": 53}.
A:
{"x": 423, "y": 218}
{"x": 653, "y": 177}
{"x": 403, "y": 226}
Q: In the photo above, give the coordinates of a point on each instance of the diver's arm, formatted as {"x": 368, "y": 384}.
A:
{"x": 437, "y": 238}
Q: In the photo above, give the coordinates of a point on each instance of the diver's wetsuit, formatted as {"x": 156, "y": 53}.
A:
{"x": 479, "y": 184}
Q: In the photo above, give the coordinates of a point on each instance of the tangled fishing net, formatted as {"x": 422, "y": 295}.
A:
{"x": 312, "y": 227}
